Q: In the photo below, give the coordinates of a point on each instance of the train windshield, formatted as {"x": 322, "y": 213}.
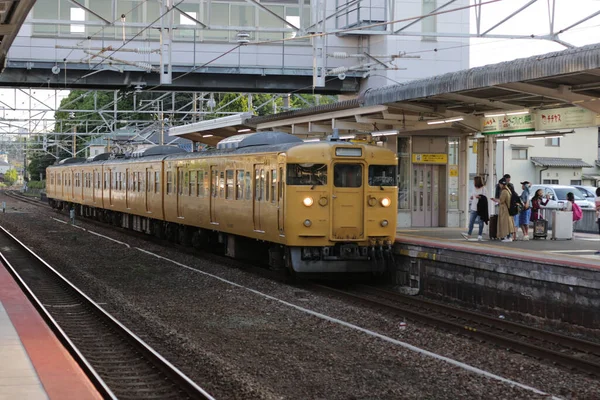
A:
{"x": 307, "y": 174}
{"x": 382, "y": 175}
{"x": 347, "y": 175}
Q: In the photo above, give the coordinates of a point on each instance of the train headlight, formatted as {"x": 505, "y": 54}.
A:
{"x": 384, "y": 223}
{"x": 307, "y": 223}
{"x": 308, "y": 201}
{"x": 386, "y": 202}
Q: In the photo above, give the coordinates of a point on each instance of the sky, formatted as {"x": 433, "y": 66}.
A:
{"x": 533, "y": 20}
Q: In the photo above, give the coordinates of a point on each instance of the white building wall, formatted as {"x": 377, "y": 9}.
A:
{"x": 583, "y": 144}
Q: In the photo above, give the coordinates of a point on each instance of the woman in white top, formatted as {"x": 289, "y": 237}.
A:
{"x": 473, "y": 216}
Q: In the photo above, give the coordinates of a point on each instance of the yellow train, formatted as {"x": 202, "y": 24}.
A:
{"x": 326, "y": 206}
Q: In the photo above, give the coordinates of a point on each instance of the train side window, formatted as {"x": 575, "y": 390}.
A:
{"x": 280, "y": 184}
{"x": 201, "y": 190}
{"x": 222, "y": 184}
{"x": 229, "y": 195}
{"x": 266, "y": 184}
{"x": 156, "y": 182}
{"x": 262, "y": 184}
{"x": 273, "y": 185}
{"x": 105, "y": 180}
{"x": 248, "y": 185}
{"x": 180, "y": 182}
{"x": 52, "y": 179}
{"x": 239, "y": 193}
{"x": 214, "y": 183}
{"x": 140, "y": 182}
{"x": 169, "y": 182}
{"x": 192, "y": 187}
{"x": 257, "y": 185}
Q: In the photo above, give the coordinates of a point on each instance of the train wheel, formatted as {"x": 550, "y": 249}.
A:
{"x": 157, "y": 230}
{"x": 185, "y": 235}
{"x": 171, "y": 232}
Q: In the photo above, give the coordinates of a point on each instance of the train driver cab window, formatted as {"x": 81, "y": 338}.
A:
{"x": 382, "y": 175}
{"x": 347, "y": 175}
{"x": 307, "y": 174}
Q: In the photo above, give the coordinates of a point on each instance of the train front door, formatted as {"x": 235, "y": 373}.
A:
{"x": 425, "y": 195}
{"x": 347, "y": 202}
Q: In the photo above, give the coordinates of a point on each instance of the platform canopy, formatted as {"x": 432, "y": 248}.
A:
{"x": 546, "y": 86}
{"x": 212, "y": 131}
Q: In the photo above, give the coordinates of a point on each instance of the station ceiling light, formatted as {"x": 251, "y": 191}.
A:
{"x": 444, "y": 121}
{"x": 508, "y": 113}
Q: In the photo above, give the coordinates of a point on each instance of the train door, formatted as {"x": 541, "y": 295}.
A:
{"x": 147, "y": 188}
{"x": 180, "y": 187}
{"x": 347, "y": 201}
{"x": 111, "y": 180}
{"x": 93, "y": 183}
{"x": 280, "y": 200}
{"x": 214, "y": 192}
{"x": 127, "y": 183}
{"x": 259, "y": 190}
{"x": 82, "y": 186}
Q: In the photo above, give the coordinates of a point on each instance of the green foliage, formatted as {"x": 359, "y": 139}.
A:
{"x": 264, "y": 103}
{"x": 37, "y": 184}
{"x": 11, "y": 176}
{"x": 38, "y": 164}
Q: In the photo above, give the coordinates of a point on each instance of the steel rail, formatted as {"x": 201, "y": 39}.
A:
{"x": 165, "y": 368}
{"x": 447, "y": 319}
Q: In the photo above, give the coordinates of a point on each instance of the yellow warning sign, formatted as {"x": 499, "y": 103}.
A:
{"x": 430, "y": 158}
{"x": 453, "y": 170}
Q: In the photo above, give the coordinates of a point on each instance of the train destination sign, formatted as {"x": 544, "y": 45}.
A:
{"x": 430, "y": 158}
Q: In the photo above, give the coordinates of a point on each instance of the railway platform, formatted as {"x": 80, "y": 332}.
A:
{"x": 34, "y": 364}
{"x": 551, "y": 279}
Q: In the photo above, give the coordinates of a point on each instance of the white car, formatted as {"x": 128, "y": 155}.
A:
{"x": 588, "y": 191}
{"x": 558, "y": 196}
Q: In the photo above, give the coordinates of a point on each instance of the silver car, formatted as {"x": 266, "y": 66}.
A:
{"x": 588, "y": 191}
{"x": 558, "y": 196}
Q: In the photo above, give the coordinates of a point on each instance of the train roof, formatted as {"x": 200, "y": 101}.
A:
{"x": 261, "y": 142}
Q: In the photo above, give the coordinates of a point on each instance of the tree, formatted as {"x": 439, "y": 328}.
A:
{"x": 10, "y": 176}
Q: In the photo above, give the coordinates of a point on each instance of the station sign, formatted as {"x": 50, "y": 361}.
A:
{"x": 438, "y": 158}
{"x": 564, "y": 118}
{"x": 507, "y": 124}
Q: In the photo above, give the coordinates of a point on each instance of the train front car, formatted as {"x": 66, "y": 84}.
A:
{"x": 341, "y": 205}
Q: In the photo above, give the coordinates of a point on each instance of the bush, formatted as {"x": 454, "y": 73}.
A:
{"x": 36, "y": 184}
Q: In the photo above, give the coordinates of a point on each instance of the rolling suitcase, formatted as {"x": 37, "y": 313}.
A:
{"x": 493, "y": 227}
{"x": 562, "y": 225}
{"x": 540, "y": 226}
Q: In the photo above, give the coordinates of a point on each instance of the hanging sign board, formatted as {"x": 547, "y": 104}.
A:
{"x": 430, "y": 158}
{"x": 564, "y": 118}
{"x": 507, "y": 124}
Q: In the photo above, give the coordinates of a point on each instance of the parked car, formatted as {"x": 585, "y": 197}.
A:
{"x": 558, "y": 195}
{"x": 588, "y": 191}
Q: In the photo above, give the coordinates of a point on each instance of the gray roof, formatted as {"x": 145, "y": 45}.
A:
{"x": 560, "y": 162}
{"x": 568, "y": 67}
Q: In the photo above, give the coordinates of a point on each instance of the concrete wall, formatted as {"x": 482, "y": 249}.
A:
{"x": 523, "y": 286}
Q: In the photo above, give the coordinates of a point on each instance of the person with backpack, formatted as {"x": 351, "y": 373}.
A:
{"x": 506, "y": 224}
{"x": 574, "y": 207}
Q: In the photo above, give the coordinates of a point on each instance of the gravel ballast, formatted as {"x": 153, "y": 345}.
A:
{"x": 240, "y": 344}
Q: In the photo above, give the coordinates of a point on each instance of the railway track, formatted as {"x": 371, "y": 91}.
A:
{"x": 563, "y": 350}
{"x": 119, "y": 363}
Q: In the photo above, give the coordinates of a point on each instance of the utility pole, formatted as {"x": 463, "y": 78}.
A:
{"x": 74, "y": 140}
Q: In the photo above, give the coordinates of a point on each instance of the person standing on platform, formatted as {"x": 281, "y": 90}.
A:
{"x": 506, "y": 224}
{"x": 496, "y": 198}
{"x": 479, "y": 194}
{"x": 598, "y": 213}
{"x": 525, "y": 213}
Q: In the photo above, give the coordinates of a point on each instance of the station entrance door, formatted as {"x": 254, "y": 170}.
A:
{"x": 426, "y": 195}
